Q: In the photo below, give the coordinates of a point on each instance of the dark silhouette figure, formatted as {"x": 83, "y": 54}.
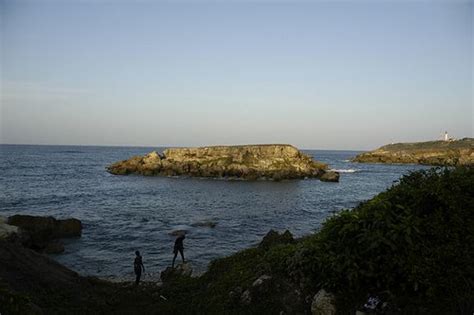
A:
{"x": 138, "y": 266}
{"x": 178, "y": 247}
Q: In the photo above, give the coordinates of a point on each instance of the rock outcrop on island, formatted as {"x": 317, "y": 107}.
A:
{"x": 442, "y": 153}
{"x": 275, "y": 162}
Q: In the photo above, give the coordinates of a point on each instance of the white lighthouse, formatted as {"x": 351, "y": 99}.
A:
{"x": 447, "y": 138}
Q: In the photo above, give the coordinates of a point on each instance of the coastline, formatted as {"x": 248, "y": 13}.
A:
{"x": 113, "y": 207}
{"x": 287, "y": 275}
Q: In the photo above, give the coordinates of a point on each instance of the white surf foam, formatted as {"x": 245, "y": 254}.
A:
{"x": 350, "y": 170}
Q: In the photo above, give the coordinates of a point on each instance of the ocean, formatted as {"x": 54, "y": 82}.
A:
{"x": 121, "y": 214}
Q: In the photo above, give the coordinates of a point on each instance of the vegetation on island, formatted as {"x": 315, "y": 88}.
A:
{"x": 411, "y": 246}
{"x": 441, "y": 153}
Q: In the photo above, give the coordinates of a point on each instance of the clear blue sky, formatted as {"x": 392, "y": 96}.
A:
{"x": 323, "y": 75}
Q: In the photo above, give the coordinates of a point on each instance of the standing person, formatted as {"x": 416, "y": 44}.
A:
{"x": 138, "y": 267}
{"x": 178, "y": 246}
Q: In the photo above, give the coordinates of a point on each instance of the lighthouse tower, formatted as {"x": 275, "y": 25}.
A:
{"x": 446, "y": 137}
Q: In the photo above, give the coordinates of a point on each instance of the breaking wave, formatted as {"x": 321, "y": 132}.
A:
{"x": 350, "y": 170}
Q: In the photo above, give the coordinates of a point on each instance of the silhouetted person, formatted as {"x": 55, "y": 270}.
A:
{"x": 138, "y": 266}
{"x": 178, "y": 247}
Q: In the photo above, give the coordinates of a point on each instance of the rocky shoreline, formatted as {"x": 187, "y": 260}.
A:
{"x": 394, "y": 254}
{"x": 42, "y": 234}
{"x": 33, "y": 283}
{"x": 440, "y": 153}
{"x": 248, "y": 162}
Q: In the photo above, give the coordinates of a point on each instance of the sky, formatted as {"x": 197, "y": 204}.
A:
{"x": 315, "y": 74}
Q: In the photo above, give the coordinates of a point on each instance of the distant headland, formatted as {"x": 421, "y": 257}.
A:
{"x": 446, "y": 152}
{"x": 250, "y": 162}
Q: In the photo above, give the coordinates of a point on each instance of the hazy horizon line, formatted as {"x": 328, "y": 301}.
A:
{"x": 168, "y": 146}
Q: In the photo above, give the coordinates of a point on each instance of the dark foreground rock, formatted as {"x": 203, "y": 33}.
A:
{"x": 206, "y": 224}
{"x": 31, "y": 283}
{"x": 181, "y": 270}
{"x": 43, "y": 233}
{"x": 323, "y": 303}
{"x": 443, "y": 153}
{"x": 6, "y": 230}
{"x": 330, "y": 177}
{"x": 250, "y": 162}
{"x": 273, "y": 238}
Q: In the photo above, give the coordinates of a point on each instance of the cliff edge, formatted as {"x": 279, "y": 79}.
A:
{"x": 275, "y": 162}
{"x": 444, "y": 153}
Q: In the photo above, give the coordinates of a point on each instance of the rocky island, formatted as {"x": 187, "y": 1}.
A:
{"x": 442, "y": 153}
{"x": 251, "y": 162}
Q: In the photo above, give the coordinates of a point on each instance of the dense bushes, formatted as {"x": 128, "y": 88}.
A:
{"x": 412, "y": 245}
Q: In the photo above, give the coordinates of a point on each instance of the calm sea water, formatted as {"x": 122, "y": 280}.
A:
{"x": 121, "y": 214}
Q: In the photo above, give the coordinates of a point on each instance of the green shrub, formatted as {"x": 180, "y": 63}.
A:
{"x": 413, "y": 244}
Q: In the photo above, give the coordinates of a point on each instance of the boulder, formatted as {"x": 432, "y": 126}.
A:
{"x": 184, "y": 269}
{"x": 39, "y": 232}
{"x": 47, "y": 227}
{"x": 262, "y": 285}
{"x": 208, "y": 224}
{"x": 274, "y": 238}
{"x": 6, "y": 230}
{"x": 330, "y": 176}
{"x": 324, "y": 303}
{"x": 68, "y": 228}
{"x": 261, "y": 280}
{"x": 54, "y": 247}
{"x": 40, "y": 229}
{"x": 167, "y": 274}
{"x": 181, "y": 270}
{"x": 246, "y": 298}
{"x": 235, "y": 294}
